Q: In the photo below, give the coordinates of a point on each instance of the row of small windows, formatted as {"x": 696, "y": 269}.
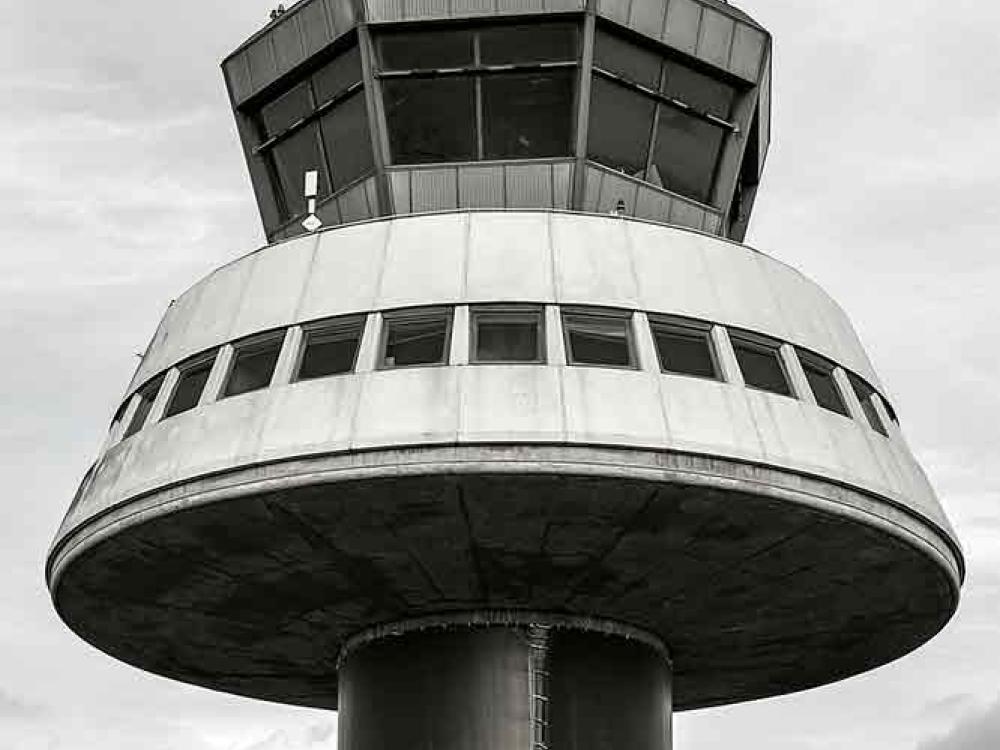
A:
{"x": 500, "y": 92}
{"x": 505, "y": 334}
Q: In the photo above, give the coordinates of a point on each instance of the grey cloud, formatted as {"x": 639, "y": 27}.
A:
{"x": 978, "y": 731}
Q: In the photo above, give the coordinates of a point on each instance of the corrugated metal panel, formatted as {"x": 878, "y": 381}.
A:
{"x": 592, "y": 188}
{"x": 616, "y": 10}
{"x": 528, "y": 185}
{"x": 353, "y": 204}
{"x": 341, "y": 14}
{"x": 711, "y": 222}
{"x": 748, "y": 46}
{"x": 237, "y": 71}
{"x": 425, "y": 8}
{"x": 683, "y": 19}
{"x": 480, "y": 187}
{"x": 472, "y": 7}
{"x": 434, "y": 189}
{"x": 686, "y": 214}
{"x": 562, "y": 182}
{"x": 505, "y": 7}
{"x": 371, "y": 192}
{"x": 260, "y": 58}
{"x": 652, "y": 204}
{"x": 399, "y": 184}
{"x": 615, "y": 188}
{"x": 557, "y": 5}
{"x": 288, "y": 51}
{"x": 382, "y": 10}
{"x": 647, "y": 17}
{"x": 314, "y": 25}
{"x": 715, "y": 37}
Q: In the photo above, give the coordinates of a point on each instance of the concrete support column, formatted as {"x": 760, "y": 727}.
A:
{"x": 454, "y": 684}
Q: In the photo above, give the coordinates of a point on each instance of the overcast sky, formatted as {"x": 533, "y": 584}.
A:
{"x": 122, "y": 183}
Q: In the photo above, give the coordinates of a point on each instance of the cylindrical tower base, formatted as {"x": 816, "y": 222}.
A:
{"x": 504, "y": 681}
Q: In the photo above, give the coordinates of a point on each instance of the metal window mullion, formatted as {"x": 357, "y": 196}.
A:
{"x": 318, "y": 111}
{"x": 375, "y": 114}
{"x": 664, "y": 99}
{"x": 478, "y": 80}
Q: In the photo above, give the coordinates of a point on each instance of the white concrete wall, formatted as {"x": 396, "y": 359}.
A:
{"x": 533, "y": 257}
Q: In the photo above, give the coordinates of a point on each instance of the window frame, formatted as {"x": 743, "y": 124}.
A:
{"x": 136, "y": 424}
{"x": 691, "y": 328}
{"x": 606, "y": 313}
{"x": 811, "y": 360}
{"x": 184, "y": 368}
{"x": 320, "y": 327}
{"x": 410, "y": 314}
{"x": 250, "y": 343}
{"x": 761, "y": 344}
{"x": 477, "y": 312}
{"x": 873, "y": 419}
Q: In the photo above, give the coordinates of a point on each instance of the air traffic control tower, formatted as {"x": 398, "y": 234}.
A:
{"x": 522, "y": 450}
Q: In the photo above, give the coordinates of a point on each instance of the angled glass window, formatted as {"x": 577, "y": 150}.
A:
{"x": 347, "y": 141}
{"x": 621, "y": 121}
{"x": 627, "y": 60}
{"x": 190, "y": 384}
{"x": 819, "y": 374}
{"x": 599, "y": 338}
{"x": 147, "y": 395}
{"x": 685, "y": 348}
{"x": 253, "y": 365}
{"x": 686, "y": 152}
{"x": 760, "y": 363}
{"x": 431, "y": 119}
{"x": 426, "y": 50}
{"x": 541, "y": 42}
{"x": 507, "y": 334}
{"x": 337, "y": 76}
{"x": 416, "y": 337}
{"x": 703, "y": 92}
{"x": 330, "y": 348}
{"x": 527, "y": 115}
{"x": 864, "y": 392}
{"x": 293, "y": 157}
{"x": 287, "y": 109}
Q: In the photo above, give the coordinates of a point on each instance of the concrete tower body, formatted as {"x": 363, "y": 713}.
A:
{"x": 524, "y": 449}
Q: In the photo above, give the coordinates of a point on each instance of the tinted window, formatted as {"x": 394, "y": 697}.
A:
{"x": 627, "y": 60}
{"x": 864, "y": 392}
{"x": 287, "y": 109}
{"x": 190, "y": 385}
{"x": 704, "y": 93}
{"x": 416, "y": 338}
{"x": 621, "y": 122}
{"x": 686, "y": 151}
{"x": 684, "y": 349}
{"x": 598, "y": 339}
{"x": 527, "y": 114}
{"x": 761, "y": 366}
{"x": 293, "y": 157}
{"x": 337, "y": 76}
{"x": 431, "y": 119}
{"x": 819, "y": 374}
{"x": 253, "y": 366}
{"x": 147, "y": 395}
{"x": 521, "y": 44}
{"x": 330, "y": 350}
{"x": 426, "y": 49}
{"x": 347, "y": 141}
{"x": 507, "y": 336}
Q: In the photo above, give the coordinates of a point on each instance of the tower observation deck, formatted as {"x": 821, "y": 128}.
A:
{"x": 523, "y": 449}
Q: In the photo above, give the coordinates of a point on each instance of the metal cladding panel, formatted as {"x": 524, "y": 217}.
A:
{"x": 424, "y": 261}
{"x": 480, "y": 186}
{"x": 711, "y": 223}
{"x": 260, "y": 58}
{"x": 506, "y": 404}
{"x": 449, "y": 689}
{"x": 407, "y": 405}
{"x": 652, "y": 204}
{"x": 289, "y": 50}
{"x": 383, "y": 10}
{"x": 615, "y": 188}
{"x": 616, "y": 10}
{"x": 311, "y": 415}
{"x": 354, "y": 203}
{"x": 511, "y": 7}
{"x": 597, "y": 412}
{"x": 399, "y": 185}
{"x": 715, "y": 37}
{"x": 608, "y": 693}
{"x": 681, "y": 29}
{"x": 764, "y": 114}
{"x": 592, "y": 188}
{"x": 686, "y": 214}
{"x": 434, "y": 189}
{"x": 472, "y": 7}
{"x": 345, "y": 273}
{"x": 314, "y": 25}
{"x": 704, "y": 416}
{"x": 647, "y": 17}
{"x": 561, "y": 5}
{"x": 341, "y": 14}
{"x": 747, "y": 51}
{"x": 237, "y": 73}
{"x": 592, "y": 262}
{"x": 509, "y": 258}
{"x": 528, "y": 186}
{"x": 425, "y": 8}
{"x": 562, "y": 180}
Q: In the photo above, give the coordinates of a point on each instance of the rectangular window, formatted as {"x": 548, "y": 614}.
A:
{"x": 190, "y": 384}
{"x": 431, "y": 119}
{"x": 760, "y": 364}
{"x": 147, "y": 395}
{"x": 330, "y": 349}
{"x": 685, "y": 348}
{"x": 253, "y": 366}
{"x": 510, "y": 334}
{"x": 819, "y": 373}
{"x": 621, "y": 122}
{"x": 864, "y": 392}
{"x": 599, "y": 338}
{"x": 416, "y": 337}
{"x": 527, "y": 115}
